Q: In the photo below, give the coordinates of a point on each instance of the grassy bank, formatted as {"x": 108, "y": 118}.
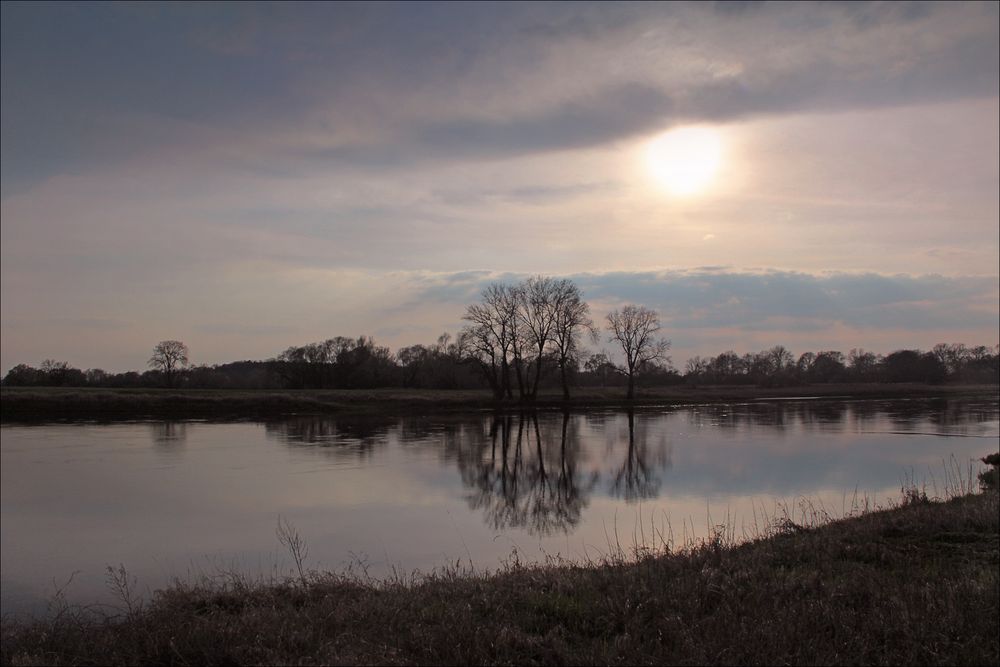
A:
{"x": 917, "y": 584}
{"x": 32, "y": 404}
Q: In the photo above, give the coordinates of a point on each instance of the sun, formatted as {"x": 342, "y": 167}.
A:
{"x": 684, "y": 161}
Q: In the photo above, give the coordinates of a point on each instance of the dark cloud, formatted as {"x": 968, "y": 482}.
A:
{"x": 816, "y": 81}
{"x": 458, "y": 287}
{"x": 89, "y": 84}
{"x": 616, "y": 113}
{"x": 533, "y": 195}
{"x": 779, "y": 300}
{"x": 76, "y": 76}
{"x": 875, "y": 14}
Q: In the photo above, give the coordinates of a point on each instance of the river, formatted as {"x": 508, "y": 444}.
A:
{"x": 377, "y": 494}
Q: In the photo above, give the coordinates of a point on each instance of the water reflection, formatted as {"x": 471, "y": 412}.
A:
{"x": 525, "y": 470}
{"x": 538, "y": 471}
{"x": 863, "y": 416}
{"x": 727, "y": 416}
{"x": 637, "y": 478}
{"x": 356, "y": 436}
{"x": 168, "y": 433}
{"x": 425, "y": 488}
{"x": 525, "y": 475}
{"x": 168, "y": 439}
{"x": 952, "y": 415}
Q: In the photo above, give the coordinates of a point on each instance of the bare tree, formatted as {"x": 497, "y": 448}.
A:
{"x": 55, "y": 371}
{"x": 600, "y": 366}
{"x": 536, "y": 313}
{"x": 572, "y": 320}
{"x": 778, "y": 358}
{"x": 696, "y": 366}
{"x": 518, "y": 331}
{"x": 635, "y": 327}
{"x": 169, "y": 356}
{"x": 489, "y": 338}
{"x": 954, "y": 356}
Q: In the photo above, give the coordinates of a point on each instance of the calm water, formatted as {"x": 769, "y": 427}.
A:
{"x": 185, "y": 499}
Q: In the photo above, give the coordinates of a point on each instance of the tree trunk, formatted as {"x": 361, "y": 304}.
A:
{"x": 497, "y": 389}
{"x": 538, "y": 377}
{"x": 519, "y": 371}
{"x": 565, "y": 381}
{"x": 490, "y": 373}
{"x": 505, "y": 377}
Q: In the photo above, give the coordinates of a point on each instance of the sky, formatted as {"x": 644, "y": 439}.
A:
{"x": 246, "y": 177}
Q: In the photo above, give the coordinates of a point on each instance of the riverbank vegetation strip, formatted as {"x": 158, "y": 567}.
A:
{"x": 917, "y": 584}
{"x": 55, "y": 403}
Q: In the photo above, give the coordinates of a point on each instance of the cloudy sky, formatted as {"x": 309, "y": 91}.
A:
{"x": 248, "y": 177}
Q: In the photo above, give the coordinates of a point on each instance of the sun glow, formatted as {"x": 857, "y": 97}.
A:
{"x": 685, "y": 160}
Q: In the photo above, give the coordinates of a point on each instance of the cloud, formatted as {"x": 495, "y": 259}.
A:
{"x": 704, "y": 311}
{"x": 349, "y": 168}
{"x": 534, "y": 195}
{"x": 614, "y": 113}
{"x": 778, "y": 301}
{"x": 618, "y": 112}
{"x": 270, "y": 330}
{"x": 389, "y": 85}
{"x": 647, "y": 70}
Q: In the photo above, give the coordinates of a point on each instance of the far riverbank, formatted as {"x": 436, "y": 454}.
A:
{"x": 57, "y": 403}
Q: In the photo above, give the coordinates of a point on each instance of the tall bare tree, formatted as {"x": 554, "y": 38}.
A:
{"x": 169, "y": 356}
{"x": 572, "y": 322}
{"x": 489, "y": 336}
{"x": 634, "y": 328}
{"x": 536, "y": 314}
{"x": 518, "y": 331}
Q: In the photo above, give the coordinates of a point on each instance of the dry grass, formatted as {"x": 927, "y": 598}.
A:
{"x": 915, "y": 584}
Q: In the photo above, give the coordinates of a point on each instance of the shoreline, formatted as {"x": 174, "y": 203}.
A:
{"x": 913, "y": 584}
{"x": 36, "y": 404}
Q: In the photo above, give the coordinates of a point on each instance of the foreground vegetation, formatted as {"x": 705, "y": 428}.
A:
{"x": 55, "y": 403}
{"x": 917, "y": 584}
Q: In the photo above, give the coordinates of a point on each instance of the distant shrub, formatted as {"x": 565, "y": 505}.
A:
{"x": 989, "y": 480}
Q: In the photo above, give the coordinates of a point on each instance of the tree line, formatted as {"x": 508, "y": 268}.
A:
{"x": 520, "y": 338}
{"x": 777, "y": 366}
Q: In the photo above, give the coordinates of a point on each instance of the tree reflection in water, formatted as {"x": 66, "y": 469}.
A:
{"x": 168, "y": 439}
{"x": 539, "y": 471}
{"x": 638, "y": 477}
{"x": 831, "y": 416}
{"x": 530, "y": 478}
{"x": 168, "y": 433}
{"x": 521, "y": 471}
{"x": 348, "y": 436}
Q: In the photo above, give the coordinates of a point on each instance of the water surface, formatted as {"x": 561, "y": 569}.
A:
{"x": 185, "y": 499}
